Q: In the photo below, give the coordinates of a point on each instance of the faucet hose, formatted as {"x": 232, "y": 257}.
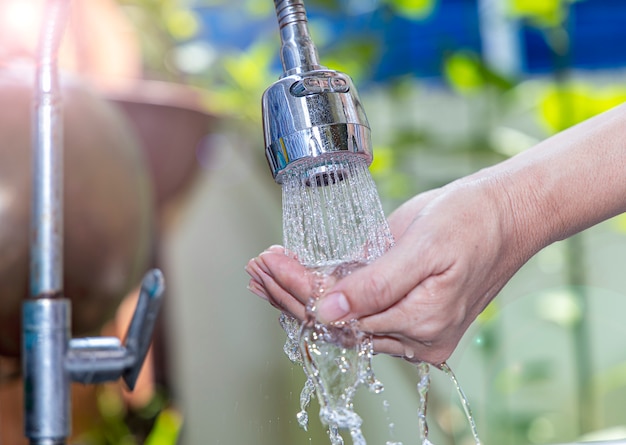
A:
{"x": 298, "y": 52}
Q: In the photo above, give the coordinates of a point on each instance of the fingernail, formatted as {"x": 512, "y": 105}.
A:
{"x": 256, "y": 290}
{"x": 332, "y": 307}
{"x": 250, "y": 269}
{"x": 273, "y": 249}
{"x": 261, "y": 264}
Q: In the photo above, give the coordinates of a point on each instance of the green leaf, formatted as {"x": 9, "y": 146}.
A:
{"x": 463, "y": 72}
{"x": 619, "y": 223}
{"x": 490, "y": 313}
{"x": 563, "y": 106}
{"x": 352, "y": 57}
{"x": 383, "y": 161}
{"x": 166, "y": 428}
{"x": 543, "y": 13}
{"x": 412, "y": 9}
{"x": 182, "y": 23}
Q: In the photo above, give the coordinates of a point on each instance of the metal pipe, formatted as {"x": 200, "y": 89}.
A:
{"x": 298, "y": 52}
{"x": 51, "y": 359}
{"x": 46, "y": 315}
{"x": 46, "y": 266}
{"x": 46, "y": 328}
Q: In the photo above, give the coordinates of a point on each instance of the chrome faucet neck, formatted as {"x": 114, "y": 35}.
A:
{"x": 298, "y": 52}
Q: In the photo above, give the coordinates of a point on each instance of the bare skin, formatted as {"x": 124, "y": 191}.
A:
{"x": 457, "y": 246}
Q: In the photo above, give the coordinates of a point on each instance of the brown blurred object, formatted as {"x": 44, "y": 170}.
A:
{"x": 171, "y": 123}
{"x": 130, "y": 154}
{"x": 130, "y": 149}
{"x": 108, "y": 205}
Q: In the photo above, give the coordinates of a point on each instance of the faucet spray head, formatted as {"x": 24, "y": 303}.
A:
{"x": 311, "y": 113}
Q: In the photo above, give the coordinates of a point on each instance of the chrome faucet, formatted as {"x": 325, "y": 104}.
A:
{"x": 51, "y": 358}
{"x": 311, "y": 111}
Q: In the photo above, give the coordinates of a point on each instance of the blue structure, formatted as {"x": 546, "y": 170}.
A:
{"x": 417, "y": 47}
{"x": 596, "y": 28}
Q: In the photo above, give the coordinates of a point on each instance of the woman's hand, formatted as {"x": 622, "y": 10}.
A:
{"x": 457, "y": 246}
{"x": 455, "y": 249}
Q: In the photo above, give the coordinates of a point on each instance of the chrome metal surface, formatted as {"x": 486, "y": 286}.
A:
{"x": 105, "y": 359}
{"x": 46, "y": 318}
{"x": 51, "y": 358}
{"x": 46, "y": 276}
{"x": 310, "y": 111}
{"x": 141, "y": 326}
{"x": 297, "y": 53}
{"x": 46, "y": 331}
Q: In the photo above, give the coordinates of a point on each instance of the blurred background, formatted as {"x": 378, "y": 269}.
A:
{"x": 449, "y": 86}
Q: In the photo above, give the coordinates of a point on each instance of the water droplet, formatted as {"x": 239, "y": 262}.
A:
{"x": 303, "y": 419}
{"x": 343, "y": 364}
{"x": 409, "y": 353}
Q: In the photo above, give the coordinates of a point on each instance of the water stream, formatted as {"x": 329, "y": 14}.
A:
{"x": 333, "y": 223}
{"x": 464, "y": 402}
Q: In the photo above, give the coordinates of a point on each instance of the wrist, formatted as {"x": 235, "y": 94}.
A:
{"x": 518, "y": 204}
{"x": 528, "y": 218}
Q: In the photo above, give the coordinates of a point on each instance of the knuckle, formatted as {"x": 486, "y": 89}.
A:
{"x": 278, "y": 304}
{"x": 379, "y": 291}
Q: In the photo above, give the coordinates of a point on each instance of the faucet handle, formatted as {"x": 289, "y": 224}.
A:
{"x": 102, "y": 359}
{"x": 139, "y": 334}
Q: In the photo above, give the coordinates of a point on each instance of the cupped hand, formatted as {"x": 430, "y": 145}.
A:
{"x": 455, "y": 249}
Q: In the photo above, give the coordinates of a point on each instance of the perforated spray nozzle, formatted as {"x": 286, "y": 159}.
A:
{"x": 311, "y": 112}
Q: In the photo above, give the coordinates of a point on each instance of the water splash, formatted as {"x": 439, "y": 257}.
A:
{"x": 329, "y": 223}
{"x": 392, "y": 426}
{"x": 333, "y": 223}
{"x": 423, "y": 386}
{"x": 464, "y": 401}
{"x": 292, "y": 344}
{"x": 337, "y": 359}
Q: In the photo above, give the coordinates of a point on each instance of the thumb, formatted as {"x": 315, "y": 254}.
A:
{"x": 373, "y": 288}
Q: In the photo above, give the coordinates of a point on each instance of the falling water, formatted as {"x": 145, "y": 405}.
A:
{"x": 423, "y": 384}
{"x": 333, "y": 223}
{"x": 332, "y": 213}
{"x": 464, "y": 402}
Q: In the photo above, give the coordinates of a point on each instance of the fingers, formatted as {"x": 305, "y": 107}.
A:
{"x": 403, "y": 216}
{"x": 281, "y": 280}
{"x": 394, "y": 347}
{"x": 375, "y": 287}
{"x": 287, "y": 273}
{"x": 287, "y": 285}
{"x": 411, "y": 351}
{"x": 256, "y": 287}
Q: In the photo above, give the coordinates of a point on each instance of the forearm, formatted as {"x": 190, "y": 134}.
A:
{"x": 565, "y": 184}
